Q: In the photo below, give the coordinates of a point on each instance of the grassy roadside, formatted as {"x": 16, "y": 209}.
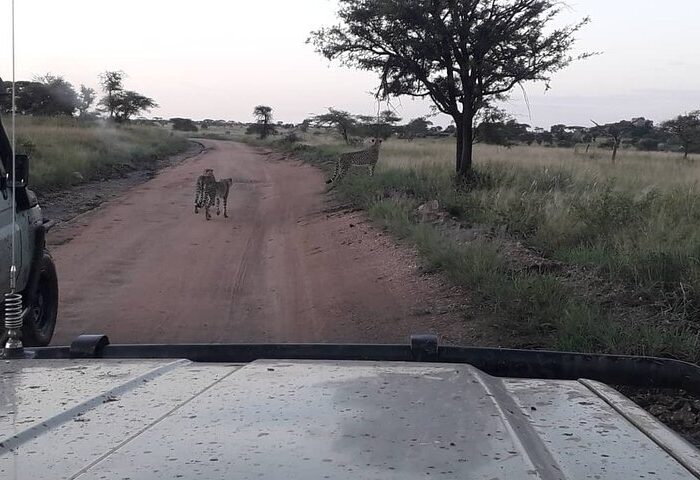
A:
{"x": 61, "y": 148}
{"x": 643, "y": 238}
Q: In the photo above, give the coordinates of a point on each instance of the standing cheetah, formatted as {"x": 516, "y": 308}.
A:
{"x": 368, "y": 157}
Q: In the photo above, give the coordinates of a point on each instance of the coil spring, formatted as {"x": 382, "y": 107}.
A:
{"x": 13, "y": 311}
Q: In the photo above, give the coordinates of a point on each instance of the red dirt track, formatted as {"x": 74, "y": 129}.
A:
{"x": 283, "y": 268}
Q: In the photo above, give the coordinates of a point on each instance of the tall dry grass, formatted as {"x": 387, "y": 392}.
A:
{"x": 632, "y": 168}
{"x": 637, "y": 219}
{"x": 61, "y": 147}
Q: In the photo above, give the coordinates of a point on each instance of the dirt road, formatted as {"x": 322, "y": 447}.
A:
{"x": 285, "y": 267}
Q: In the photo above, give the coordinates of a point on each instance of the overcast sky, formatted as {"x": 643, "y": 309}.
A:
{"x": 218, "y": 59}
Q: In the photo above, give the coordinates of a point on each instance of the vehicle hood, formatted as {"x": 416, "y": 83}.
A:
{"x": 155, "y": 419}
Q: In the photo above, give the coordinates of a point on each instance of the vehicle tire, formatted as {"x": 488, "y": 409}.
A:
{"x": 40, "y": 321}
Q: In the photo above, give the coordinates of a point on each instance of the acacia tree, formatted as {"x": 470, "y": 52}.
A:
{"x": 128, "y": 103}
{"x": 86, "y": 98}
{"x": 119, "y": 103}
{"x": 459, "y": 53}
{"x": 112, "y": 83}
{"x": 489, "y": 126}
{"x": 385, "y": 125}
{"x": 263, "y": 117}
{"x": 615, "y": 131}
{"x": 417, "y": 127}
{"x": 341, "y": 120}
{"x": 389, "y": 117}
{"x": 686, "y": 128}
{"x": 379, "y": 126}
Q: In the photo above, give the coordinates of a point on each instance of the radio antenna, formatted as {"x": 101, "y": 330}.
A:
{"x": 13, "y": 300}
{"x": 14, "y": 148}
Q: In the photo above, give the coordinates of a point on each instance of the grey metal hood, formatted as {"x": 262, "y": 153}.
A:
{"x": 129, "y": 419}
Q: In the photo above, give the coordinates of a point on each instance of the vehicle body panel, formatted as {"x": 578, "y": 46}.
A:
{"x": 6, "y": 228}
{"x": 313, "y": 419}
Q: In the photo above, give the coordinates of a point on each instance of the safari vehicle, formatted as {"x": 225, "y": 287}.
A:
{"x": 95, "y": 410}
{"x": 35, "y": 276}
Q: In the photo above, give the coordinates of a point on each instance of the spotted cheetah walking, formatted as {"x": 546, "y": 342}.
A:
{"x": 368, "y": 157}
{"x": 205, "y": 192}
{"x": 222, "y": 190}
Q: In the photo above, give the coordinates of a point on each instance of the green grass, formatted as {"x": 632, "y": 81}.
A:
{"x": 536, "y": 309}
{"x": 637, "y": 223}
{"x": 58, "y": 147}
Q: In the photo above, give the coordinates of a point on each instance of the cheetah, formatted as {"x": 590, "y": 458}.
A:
{"x": 223, "y": 187}
{"x": 205, "y": 192}
{"x": 368, "y": 157}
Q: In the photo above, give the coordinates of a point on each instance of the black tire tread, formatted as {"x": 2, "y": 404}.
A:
{"x": 31, "y": 336}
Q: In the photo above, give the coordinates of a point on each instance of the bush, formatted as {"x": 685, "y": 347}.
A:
{"x": 648, "y": 144}
{"x": 290, "y": 139}
{"x": 184, "y": 125}
{"x": 261, "y": 130}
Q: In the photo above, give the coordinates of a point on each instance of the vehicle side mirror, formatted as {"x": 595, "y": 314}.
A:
{"x": 21, "y": 171}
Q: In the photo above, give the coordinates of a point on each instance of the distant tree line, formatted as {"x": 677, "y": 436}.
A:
{"x": 497, "y": 127}
{"x": 353, "y": 127}
{"x": 491, "y": 126}
{"x": 53, "y": 95}
{"x": 680, "y": 134}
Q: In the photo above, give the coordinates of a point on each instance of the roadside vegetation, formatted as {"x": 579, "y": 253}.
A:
{"x": 574, "y": 249}
{"x": 561, "y": 248}
{"x": 72, "y": 136}
{"x": 65, "y": 151}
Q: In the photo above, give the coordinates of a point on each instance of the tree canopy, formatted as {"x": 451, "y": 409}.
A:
{"x": 128, "y": 104}
{"x": 462, "y": 54}
{"x": 46, "y": 95}
{"x": 112, "y": 83}
{"x": 686, "y": 129}
{"x": 263, "y": 126}
{"x": 339, "y": 119}
{"x": 122, "y": 104}
{"x": 86, "y": 98}
{"x": 417, "y": 127}
{"x": 51, "y": 95}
